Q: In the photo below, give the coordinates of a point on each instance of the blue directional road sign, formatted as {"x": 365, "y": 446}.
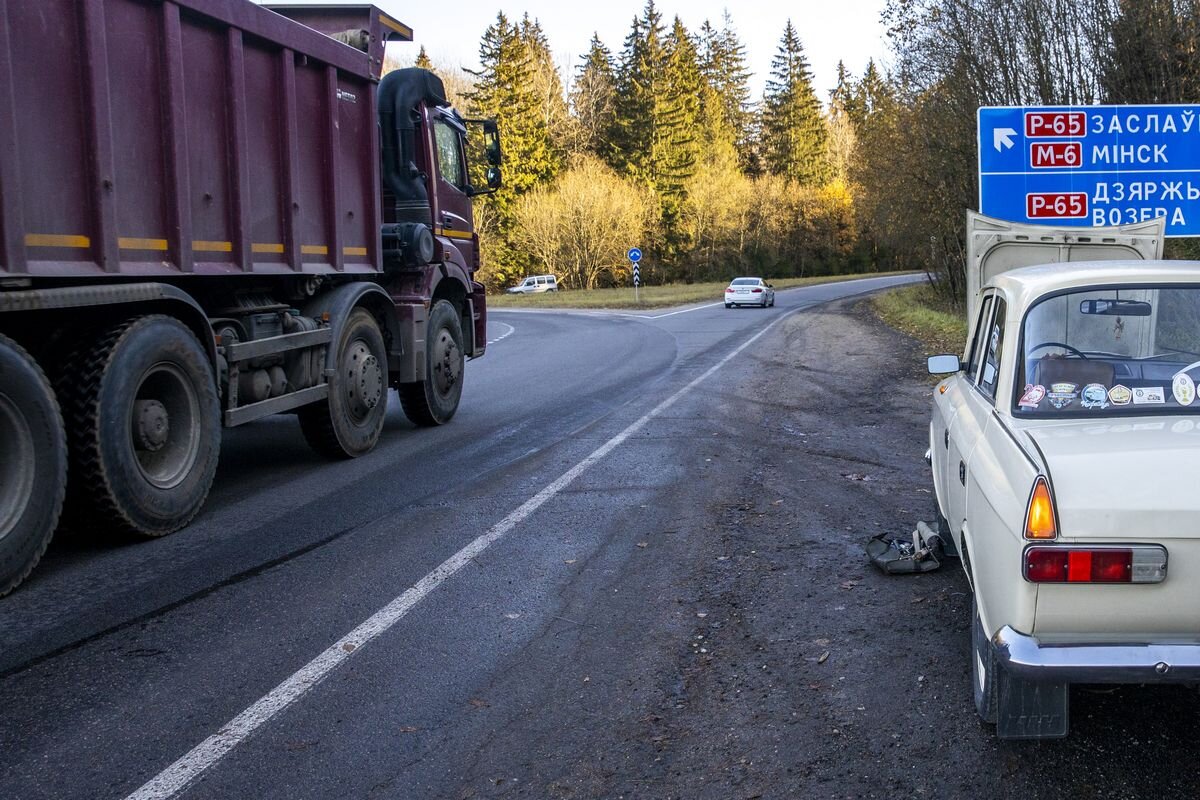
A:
{"x": 634, "y": 254}
{"x": 1091, "y": 165}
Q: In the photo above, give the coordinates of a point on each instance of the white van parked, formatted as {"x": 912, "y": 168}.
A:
{"x": 536, "y": 283}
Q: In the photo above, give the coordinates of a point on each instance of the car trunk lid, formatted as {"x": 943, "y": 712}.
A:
{"x": 1123, "y": 479}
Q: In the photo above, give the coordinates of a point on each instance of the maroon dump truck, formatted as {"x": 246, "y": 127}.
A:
{"x": 212, "y": 211}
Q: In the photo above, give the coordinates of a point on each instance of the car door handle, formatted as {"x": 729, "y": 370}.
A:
{"x": 962, "y": 473}
{"x": 946, "y": 438}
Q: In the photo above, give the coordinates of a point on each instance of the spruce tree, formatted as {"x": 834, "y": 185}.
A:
{"x": 506, "y": 91}
{"x": 548, "y": 86}
{"x": 654, "y": 124}
{"x": 722, "y": 59}
{"x": 843, "y": 99}
{"x": 423, "y": 60}
{"x": 716, "y": 127}
{"x": 868, "y": 93}
{"x": 794, "y": 135}
{"x": 639, "y": 83}
{"x": 592, "y": 100}
{"x": 684, "y": 87}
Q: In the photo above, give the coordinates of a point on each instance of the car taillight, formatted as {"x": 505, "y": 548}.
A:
{"x": 728, "y": 289}
{"x": 1040, "y": 520}
{"x": 1095, "y": 564}
{"x": 756, "y": 291}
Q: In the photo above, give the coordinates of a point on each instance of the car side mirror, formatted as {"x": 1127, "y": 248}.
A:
{"x": 943, "y": 365}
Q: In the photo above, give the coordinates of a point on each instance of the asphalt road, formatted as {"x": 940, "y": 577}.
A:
{"x": 630, "y": 567}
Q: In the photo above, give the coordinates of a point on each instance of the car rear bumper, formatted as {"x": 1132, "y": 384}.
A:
{"x": 1150, "y": 662}
{"x": 746, "y": 300}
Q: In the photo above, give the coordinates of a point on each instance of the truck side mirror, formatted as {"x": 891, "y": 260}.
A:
{"x": 493, "y": 177}
{"x": 491, "y": 144}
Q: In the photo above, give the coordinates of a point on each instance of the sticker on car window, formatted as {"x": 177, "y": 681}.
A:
{"x": 1094, "y": 396}
{"x": 1149, "y": 395}
{"x": 1120, "y": 395}
{"x": 1184, "y": 389}
{"x": 1033, "y": 396}
{"x": 1062, "y": 394}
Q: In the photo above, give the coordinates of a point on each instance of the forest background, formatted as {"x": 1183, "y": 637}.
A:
{"x": 660, "y": 142}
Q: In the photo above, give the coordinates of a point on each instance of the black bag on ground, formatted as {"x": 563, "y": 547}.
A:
{"x": 896, "y": 555}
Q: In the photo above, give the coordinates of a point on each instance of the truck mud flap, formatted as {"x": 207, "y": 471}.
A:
{"x": 1031, "y": 709}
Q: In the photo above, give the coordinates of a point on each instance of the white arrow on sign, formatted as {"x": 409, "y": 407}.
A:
{"x": 1003, "y": 137}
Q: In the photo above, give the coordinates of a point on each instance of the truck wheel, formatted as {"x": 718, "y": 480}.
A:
{"x": 434, "y": 400}
{"x": 983, "y": 669}
{"x": 348, "y": 423}
{"x": 144, "y": 427}
{"x": 33, "y": 464}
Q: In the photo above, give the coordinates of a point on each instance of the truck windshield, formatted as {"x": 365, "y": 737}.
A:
{"x": 1111, "y": 351}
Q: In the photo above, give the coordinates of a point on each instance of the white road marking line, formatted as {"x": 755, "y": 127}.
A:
{"x": 504, "y": 335}
{"x": 176, "y": 777}
{"x": 684, "y": 311}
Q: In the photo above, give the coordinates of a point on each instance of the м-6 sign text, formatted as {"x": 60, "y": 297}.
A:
{"x": 1095, "y": 165}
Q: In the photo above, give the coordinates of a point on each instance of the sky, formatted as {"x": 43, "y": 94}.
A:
{"x": 829, "y": 29}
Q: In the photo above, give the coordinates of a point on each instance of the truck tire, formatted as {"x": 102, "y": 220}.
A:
{"x": 434, "y": 400}
{"x": 143, "y": 422}
{"x": 348, "y": 423}
{"x": 33, "y": 464}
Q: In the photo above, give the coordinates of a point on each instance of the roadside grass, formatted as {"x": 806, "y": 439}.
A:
{"x": 923, "y": 314}
{"x": 651, "y": 296}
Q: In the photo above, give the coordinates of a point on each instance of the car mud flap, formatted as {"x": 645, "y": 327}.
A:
{"x": 1031, "y": 709}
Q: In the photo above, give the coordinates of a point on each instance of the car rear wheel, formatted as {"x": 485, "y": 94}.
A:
{"x": 983, "y": 669}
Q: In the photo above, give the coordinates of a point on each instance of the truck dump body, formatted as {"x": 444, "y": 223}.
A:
{"x": 213, "y": 211}
{"x": 143, "y": 138}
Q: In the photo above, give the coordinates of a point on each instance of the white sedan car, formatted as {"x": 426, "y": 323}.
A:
{"x": 749, "y": 292}
{"x": 1064, "y": 449}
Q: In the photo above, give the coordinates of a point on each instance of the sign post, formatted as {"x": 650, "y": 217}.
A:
{"x": 1091, "y": 165}
{"x": 635, "y": 255}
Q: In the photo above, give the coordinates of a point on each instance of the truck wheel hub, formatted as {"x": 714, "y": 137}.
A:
{"x": 447, "y": 364}
{"x": 166, "y": 425}
{"x": 153, "y": 425}
{"x": 364, "y": 379}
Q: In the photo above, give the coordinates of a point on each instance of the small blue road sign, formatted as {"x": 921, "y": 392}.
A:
{"x": 634, "y": 254}
{"x": 1091, "y": 165}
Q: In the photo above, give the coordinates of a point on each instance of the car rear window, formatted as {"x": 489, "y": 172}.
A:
{"x": 745, "y": 282}
{"x": 1131, "y": 350}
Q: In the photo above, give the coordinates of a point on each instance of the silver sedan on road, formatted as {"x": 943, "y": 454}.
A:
{"x": 749, "y": 292}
